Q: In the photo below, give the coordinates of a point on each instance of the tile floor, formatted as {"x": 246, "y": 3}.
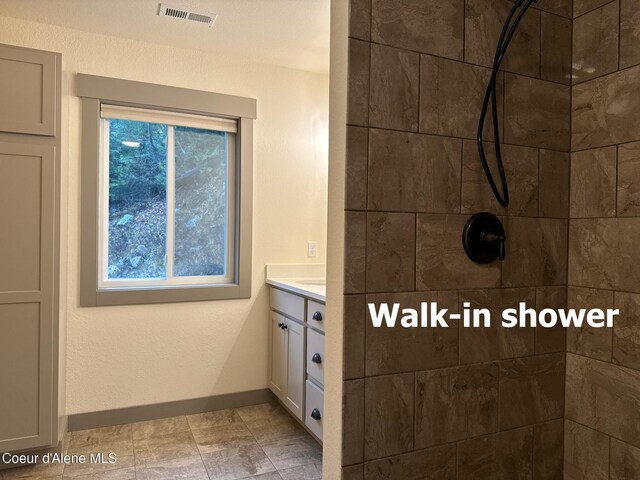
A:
{"x": 261, "y": 441}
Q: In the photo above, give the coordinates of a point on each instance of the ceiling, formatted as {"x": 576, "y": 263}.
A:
{"x": 290, "y": 33}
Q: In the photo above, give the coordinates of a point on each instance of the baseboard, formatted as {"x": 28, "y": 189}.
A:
{"x": 106, "y": 418}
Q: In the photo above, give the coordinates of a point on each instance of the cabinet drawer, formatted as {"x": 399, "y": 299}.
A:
{"x": 316, "y": 315}
{"x": 287, "y": 303}
{"x": 314, "y": 408}
{"x": 315, "y": 355}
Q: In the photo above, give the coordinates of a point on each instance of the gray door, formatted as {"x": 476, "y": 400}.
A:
{"x": 26, "y": 295}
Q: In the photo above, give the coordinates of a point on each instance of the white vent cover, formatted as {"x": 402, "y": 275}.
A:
{"x": 184, "y": 14}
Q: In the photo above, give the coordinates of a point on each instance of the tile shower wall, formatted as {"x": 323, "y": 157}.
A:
{"x": 602, "y": 426}
{"x": 456, "y": 403}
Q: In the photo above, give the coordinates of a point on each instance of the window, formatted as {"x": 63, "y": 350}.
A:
{"x": 166, "y": 197}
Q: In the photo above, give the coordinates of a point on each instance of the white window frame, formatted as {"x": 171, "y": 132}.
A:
{"x": 171, "y": 120}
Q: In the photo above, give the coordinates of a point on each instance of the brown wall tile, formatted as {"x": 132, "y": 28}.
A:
{"x": 414, "y": 172}
{"x": 559, "y": 7}
{"x": 536, "y": 113}
{"x": 441, "y": 262}
{"x": 606, "y": 110}
{"x": 501, "y": 456}
{"x": 589, "y": 341}
{"x": 451, "y": 95}
{"x": 401, "y": 23}
{"x": 360, "y": 19}
{"x": 629, "y": 179}
{"x": 593, "y": 183}
{"x": 398, "y": 349}
{"x": 629, "y": 33}
{"x": 580, "y": 7}
{"x": 586, "y": 453}
{"x": 395, "y": 88}
{"x": 438, "y": 463}
{"x": 521, "y": 169}
{"x": 555, "y": 59}
{"x": 595, "y": 43}
{"x": 495, "y": 342}
{"x": 536, "y": 252}
{"x": 358, "y": 83}
{"x": 356, "y": 168}
{"x": 626, "y": 330}
{"x": 389, "y": 415}
{"x": 548, "y": 446}
{"x": 604, "y": 253}
{"x": 456, "y": 403}
{"x": 354, "y": 336}
{"x": 604, "y": 396}
{"x": 390, "y": 252}
{"x": 484, "y": 20}
{"x": 553, "y": 184}
{"x": 352, "y": 422}
{"x": 549, "y": 340}
{"x": 625, "y": 461}
{"x": 531, "y": 390}
{"x": 355, "y": 252}
{"x": 353, "y": 472}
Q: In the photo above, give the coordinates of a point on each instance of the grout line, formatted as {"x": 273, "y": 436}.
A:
{"x": 458, "y": 137}
{"x": 592, "y": 10}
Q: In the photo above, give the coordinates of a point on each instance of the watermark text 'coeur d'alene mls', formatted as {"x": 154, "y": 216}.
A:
{"x": 429, "y": 315}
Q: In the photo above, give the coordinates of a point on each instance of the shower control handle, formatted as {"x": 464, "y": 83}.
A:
{"x": 492, "y": 237}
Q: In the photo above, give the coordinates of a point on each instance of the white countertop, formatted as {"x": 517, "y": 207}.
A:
{"x": 304, "y": 279}
{"x": 313, "y": 288}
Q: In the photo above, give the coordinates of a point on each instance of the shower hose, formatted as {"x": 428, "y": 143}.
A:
{"x": 508, "y": 30}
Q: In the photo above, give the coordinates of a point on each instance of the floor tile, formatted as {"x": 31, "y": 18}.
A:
{"x": 270, "y": 421}
{"x": 32, "y": 472}
{"x": 190, "y": 468}
{"x": 119, "y": 474}
{"x": 293, "y": 452}
{"x": 313, "y": 471}
{"x": 100, "y": 435}
{"x": 214, "y": 419}
{"x": 236, "y": 463}
{"x": 163, "y": 448}
{"x": 163, "y": 426}
{"x": 122, "y": 448}
{"x": 220, "y": 438}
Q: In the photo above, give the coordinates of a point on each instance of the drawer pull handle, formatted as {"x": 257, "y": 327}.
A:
{"x": 317, "y": 316}
{"x": 315, "y": 414}
{"x": 284, "y": 326}
{"x": 316, "y": 358}
{"x": 280, "y": 324}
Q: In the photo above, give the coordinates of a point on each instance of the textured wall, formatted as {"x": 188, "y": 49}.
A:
{"x": 124, "y": 356}
{"x": 602, "y": 430}
{"x": 456, "y": 403}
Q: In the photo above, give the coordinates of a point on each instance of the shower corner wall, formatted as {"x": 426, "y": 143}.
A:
{"x": 602, "y": 412}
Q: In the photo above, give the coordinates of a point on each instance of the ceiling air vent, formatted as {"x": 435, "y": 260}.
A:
{"x": 182, "y": 14}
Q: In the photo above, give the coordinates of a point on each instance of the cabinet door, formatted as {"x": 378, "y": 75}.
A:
{"x": 27, "y": 343}
{"x": 277, "y": 355}
{"x": 27, "y": 91}
{"x": 295, "y": 367}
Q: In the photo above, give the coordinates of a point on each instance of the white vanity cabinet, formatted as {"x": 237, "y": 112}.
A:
{"x": 296, "y": 355}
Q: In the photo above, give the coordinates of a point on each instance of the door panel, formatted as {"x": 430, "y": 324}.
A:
{"x": 27, "y": 246}
{"x": 27, "y": 91}
{"x": 295, "y": 368}
{"x": 277, "y": 365}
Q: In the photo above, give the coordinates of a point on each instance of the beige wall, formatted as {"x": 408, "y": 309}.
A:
{"x": 124, "y": 356}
